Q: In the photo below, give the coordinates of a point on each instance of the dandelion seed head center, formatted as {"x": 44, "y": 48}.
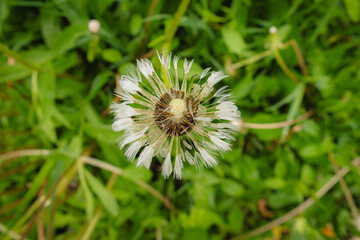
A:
{"x": 175, "y": 114}
{"x": 177, "y": 107}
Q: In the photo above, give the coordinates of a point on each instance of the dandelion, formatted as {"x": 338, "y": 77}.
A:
{"x": 94, "y": 26}
{"x": 178, "y": 120}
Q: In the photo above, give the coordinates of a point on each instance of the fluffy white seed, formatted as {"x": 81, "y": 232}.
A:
{"x": 175, "y": 62}
{"x": 122, "y": 110}
{"x": 132, "y": 150}
{"x": 167, "y": 166}
{"x": 146, "y": 156}
{"x": 121, "y": 124}
{"x": 220, "y": 144}
{"x": 228, "y": 111}
{"x": 189, "y": 158}
{"x": 133, "y": 137}
{"x": 178, "y": 167}
{"x": 187, "y": 66}
{"x": 129, "y": 86}
{"x": 145, "y": 67}
{"x": 204, "y": 73}
{"x": 209, "y": 160}
{"x": 215, "y": 77}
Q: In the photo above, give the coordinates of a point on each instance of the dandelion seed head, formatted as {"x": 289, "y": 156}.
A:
{"x": 177, "y": 122}
{"x": 94, "y": 26}
{"x": 177, "y": 107}
{"x": 273, "y": 30}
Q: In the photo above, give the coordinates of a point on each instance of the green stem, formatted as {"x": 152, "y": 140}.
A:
{"x": 5, "y": 50}
{"x": 283, "y": 65}
{"x": 175, "y": 24}
{"x": 151, "y": 12}
{"x": 279, "y": 59}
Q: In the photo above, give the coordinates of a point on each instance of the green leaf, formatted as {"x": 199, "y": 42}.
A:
{"x": 100, "y": 80}
{"x": 294, "y": 109}
{"x": 280, "y": 168}
{"x": 307, "y": 174}
{"x": 12, "y": 73}
{"x": 101, "y": 132}
{"x": 236, "y": 220}
{"x": 44, "y": 172}
{"x": 353, "y": 9}
{"x": 89, "y": 199}
{"x": 200, "y": 218}
{"x": 111, "y": 55}
{"x": 67, "y": 39}
{"x": 4, "y": 13}
{"x": 135, "y": 24}
{"x": 310, "y": 151}
{"x": 275, "y": 183}
{"x": 233, "y": 40}
{"x": 289, "y": 98}
{"x": 232, "y": 188}
{"x": 106, "y": 197}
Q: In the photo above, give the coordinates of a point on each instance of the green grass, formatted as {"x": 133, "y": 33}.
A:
{"x": 62, "y": 175}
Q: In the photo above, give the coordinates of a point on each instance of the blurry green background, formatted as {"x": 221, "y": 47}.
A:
{"x": 57, "y": 81}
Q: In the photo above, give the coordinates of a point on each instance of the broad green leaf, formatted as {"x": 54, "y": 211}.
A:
{"x": 101, "y": 132}
{"x": 106, "y": 197}
{"x": 135, "y": 24}
{"x": 98, "y": 83}
{"x": 275, "y": 183}
{"x": 312, "y": 150}
{"x": 67, "y": 39}
{"x": 111, "y": 55}
{"x": 200, "y": 218}
{"x": 353, "y": 9}
{"x": 232, "y": 188}
{"x": 307, "y": 174}
{"x": 236, "y": 220}
{"x": 233, "y": 40}
{"x": 12, "y": 73}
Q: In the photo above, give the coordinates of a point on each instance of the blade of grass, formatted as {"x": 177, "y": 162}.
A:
{"x": 89, "y": 198}
{"x": 294, "y": 109}
{"x": 175, "y": 24}
{"x": 91, "y": 226}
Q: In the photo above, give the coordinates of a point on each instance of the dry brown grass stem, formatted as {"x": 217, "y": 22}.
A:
{"x": 243, "y": 124}
{"x": 299, "y": 209}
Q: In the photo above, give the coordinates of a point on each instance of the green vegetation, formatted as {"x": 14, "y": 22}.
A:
{"x": 62, "y": 175}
